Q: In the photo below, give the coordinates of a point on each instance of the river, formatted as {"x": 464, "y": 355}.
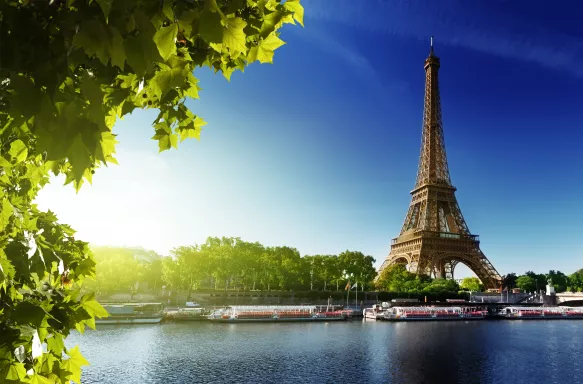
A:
{"x": 346, "y": 352}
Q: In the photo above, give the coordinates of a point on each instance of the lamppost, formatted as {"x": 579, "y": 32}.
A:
{"x": 311, "y": 279}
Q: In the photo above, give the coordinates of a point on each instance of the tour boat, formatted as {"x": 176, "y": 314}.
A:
{"x": 432, "y": 314}
{"x": 376, "y": 312}
{"x": 541, "y": 313}
{"x": 273, "y": 313}
{"x": 132, "y": 313}
{"x": 186, "y": 314}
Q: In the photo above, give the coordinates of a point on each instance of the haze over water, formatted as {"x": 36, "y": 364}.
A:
{"x": 349, "y": 352}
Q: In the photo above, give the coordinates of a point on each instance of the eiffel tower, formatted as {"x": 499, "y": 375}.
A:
{"x": 435, "y": 236}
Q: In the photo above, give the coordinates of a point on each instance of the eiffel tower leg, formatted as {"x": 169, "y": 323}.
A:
{"x": 485, "y": 271}
{"x": 449, "y": 267}
{"x": 441, "y": 270}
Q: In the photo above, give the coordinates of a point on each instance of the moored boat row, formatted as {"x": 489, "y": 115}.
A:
{"x": 274, "y": 313}
{"x": 153, "y": 313}
{"x": 544, "y": 313}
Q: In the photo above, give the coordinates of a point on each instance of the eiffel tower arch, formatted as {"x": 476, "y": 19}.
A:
{"x": 435, "y": 237}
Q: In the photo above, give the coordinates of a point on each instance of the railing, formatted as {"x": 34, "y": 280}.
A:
{"x": 443, "y": 235}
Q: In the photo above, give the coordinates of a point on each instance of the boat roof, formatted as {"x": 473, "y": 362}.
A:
{"x": 427, "y": 308}
{"x": 129, "y": 304}
{"x": 271, "y": 307}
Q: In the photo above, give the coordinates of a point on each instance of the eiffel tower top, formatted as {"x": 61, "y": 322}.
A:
{"x": 433, "y": 169}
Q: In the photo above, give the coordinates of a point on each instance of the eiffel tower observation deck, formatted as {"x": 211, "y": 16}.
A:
{"x": 435, "y": 237}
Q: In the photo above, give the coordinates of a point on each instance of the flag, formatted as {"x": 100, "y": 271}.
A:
{"x": 355, "y": 285}
{"x": 347, "y": 286}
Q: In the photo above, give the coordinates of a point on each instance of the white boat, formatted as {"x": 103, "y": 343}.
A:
{"x": 432, "y": 314}
{"x": 132, "y": 313}
{"x": 130, "y": 320}
{"x": 186, "y": 314}
{"x": 273, "y": 313}
{"x": 376, "y": 312}
{"x": 541, "y": 313}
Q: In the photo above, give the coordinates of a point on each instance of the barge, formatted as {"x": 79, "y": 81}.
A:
{"x": 432, "y": 314}
{"x": 132, "y": 313}
{"x": 376, "y": 312}
{"x": 186, "y": 314}
{"x": 273, "y": 313}
{"x": 543, "y": 313}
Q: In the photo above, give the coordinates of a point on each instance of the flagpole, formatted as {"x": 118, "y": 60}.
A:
{"x": 347, "y": 295}
{"x": 356, "y": 299}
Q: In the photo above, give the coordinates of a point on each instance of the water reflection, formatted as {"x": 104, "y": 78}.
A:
{"x": 351, "y": 352}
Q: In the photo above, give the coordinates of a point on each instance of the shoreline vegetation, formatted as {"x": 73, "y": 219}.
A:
{"x": 231, "y": 267}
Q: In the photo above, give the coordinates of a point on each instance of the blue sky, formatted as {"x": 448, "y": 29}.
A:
{"x": 319, "y": 151}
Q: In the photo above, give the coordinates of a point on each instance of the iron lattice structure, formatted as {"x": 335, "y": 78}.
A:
{"x": 435, "y": 237}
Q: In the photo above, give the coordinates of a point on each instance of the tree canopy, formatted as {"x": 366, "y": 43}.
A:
{"x": 472, "y": 284}
{"x": 396, "y": 278}
{"x": 534, "y": 282}
{"x": 68, "y": 70}
{"x": 231, "y": 263}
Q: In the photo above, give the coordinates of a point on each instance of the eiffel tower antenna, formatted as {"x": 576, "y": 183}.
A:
{"x": 435, "y": 237}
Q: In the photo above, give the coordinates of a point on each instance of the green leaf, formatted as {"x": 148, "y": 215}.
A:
{"x": 90, "y": 38}
{"x": 192, "y": 129}
{"x": 270, "y": 22}
{"x": 211, "y": 28}
{"x": 233, "y": 35}
{"x": 15, "y": 371}
{"x": 56, "y": 344}
{"x": 297, "y": 9}
{"x": 25, "y": 98}
{"x": 167, "y": 79}
{"x": 38, "y": 379}
{"x": 265, "y": 50}
{"x": 6, "y": 269}
{"x": 165, "y": 40}
{"x": 105, "y": 7}
{"x": 165, "y": 140}
{"x": 167, "y": 10}
{"x": 28, "y": 313}
{"x": 74, "y": 363}
{"x": 94, "y": 309}
{"x": 79, "y": 157}
{"x": 91, "y": 90}
{"x": 117, "y": 51}
{"x": 185, "y": 22}
{"x": 141, "y": 53}
{"x": 18, "y": 150}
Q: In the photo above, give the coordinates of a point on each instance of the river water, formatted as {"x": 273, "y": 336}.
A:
{"x": 338, "y": 352}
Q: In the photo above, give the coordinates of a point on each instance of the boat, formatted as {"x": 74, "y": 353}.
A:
{"x": 186, "y": 314}
{"x": 432, "y": 314}
{"x": 376, "y": 312}
{"x": 132, "y": 313}
{"x": 273, "y": 313}
{"x": 541, "y": 313}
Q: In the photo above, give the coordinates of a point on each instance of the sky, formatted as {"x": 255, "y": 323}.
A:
{"x": 319, "y": 151}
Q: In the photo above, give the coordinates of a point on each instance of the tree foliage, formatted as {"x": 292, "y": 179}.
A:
{"x": 68, "y": 70}
{"x": 509, "y": 281}
{"x": 231, "y": 263}
{"x": 472, "y": 284}
{"x": 396, "y": 278}
{"x": 535, "y": 282}
{"x": 526, "y": 283}
{"x": 576, "y": 281}
{"x": 124, "y": 269}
